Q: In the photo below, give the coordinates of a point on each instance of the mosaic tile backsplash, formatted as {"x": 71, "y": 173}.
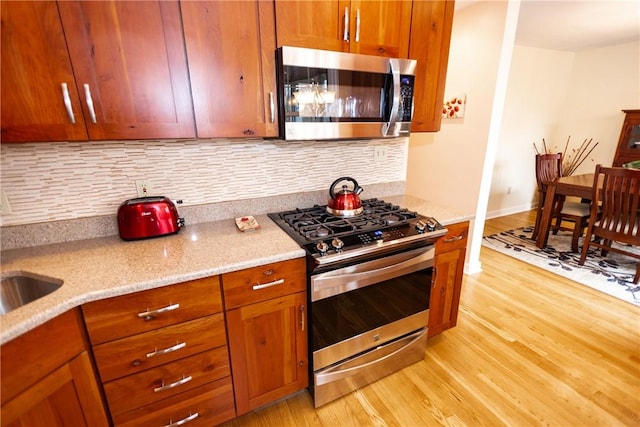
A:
{"x": 61, "y": 181}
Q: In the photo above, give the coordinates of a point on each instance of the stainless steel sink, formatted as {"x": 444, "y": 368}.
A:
{"x": 18, "y": 289}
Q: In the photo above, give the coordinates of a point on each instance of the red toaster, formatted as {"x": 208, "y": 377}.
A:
{"x": 146, "y": 217}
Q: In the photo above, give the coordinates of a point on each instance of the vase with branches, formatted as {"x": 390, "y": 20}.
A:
{"x": 572, "y": 158}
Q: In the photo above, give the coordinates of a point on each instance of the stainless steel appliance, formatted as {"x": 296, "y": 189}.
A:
{"x": 369, "y": 281}
{"x": 335, "y": 95}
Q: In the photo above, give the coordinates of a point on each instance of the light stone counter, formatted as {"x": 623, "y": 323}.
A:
{"x": 98, "y": 268}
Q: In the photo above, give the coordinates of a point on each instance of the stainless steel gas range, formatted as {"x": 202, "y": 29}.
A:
{"x": 369, "y": 281}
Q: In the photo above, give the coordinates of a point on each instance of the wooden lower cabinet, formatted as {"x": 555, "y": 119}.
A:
{"x": 208, "y": 405}
{"x": 162, "y": 355}
{"x": 267, "y": 327}
{"x": 447, "y": 281}
{"x": 48, "y": 384}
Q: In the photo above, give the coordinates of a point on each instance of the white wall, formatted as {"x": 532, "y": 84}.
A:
{"x": 534, "y": 104}
{"x": 554, "y": 95}
{"x": 446, "y": 167}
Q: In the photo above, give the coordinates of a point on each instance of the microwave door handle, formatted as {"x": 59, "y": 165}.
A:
{"x": 389, "y": 129}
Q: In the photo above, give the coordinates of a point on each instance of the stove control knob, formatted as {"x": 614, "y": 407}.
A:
{"x": 431, "y": 224}
{"x": 322, "y": 247}
{"x": 421, "y": 226}
{"x": 337, "y": 244}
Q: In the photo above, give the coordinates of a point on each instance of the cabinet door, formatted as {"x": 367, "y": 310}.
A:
{"x": 380, "y": 27}
{"x": 312, "y": 24}
{"x": 68, "y": 396}
{"x": 447, "y": 282}
{"x": 130, "y": 67}
{"x": 230, "y": 46}
{"x": 268, "y": 346}
{"x": 430, "y": 39}
{"x": 35, "y": 66}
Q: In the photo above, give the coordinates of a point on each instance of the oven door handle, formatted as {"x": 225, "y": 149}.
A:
{"x": 330, "y": 283}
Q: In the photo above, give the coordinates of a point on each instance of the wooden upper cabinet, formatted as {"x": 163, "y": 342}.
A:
{"x": 311, "y": 24}
{"x": 430, "y": 39}
{"x": 35, "y": 65}
{"x": 231, "y": 52}
{"x": 368, "y": 27}
{"x": 130, "y": 67}
{"x": 380, "y": 27}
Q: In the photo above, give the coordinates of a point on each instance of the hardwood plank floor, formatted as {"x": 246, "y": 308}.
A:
{"x": 530, "y": 348}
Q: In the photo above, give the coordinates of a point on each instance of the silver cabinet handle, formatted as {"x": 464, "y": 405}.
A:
{"x": 151, "y": 314}
{"x": 357, "y": 25}
{"x": 268, "y": 285}
{"x": 453, "y": 239}
{"x": 272, "y": 107}
{"x": 67, "y": 102}
{"x": 89, "y": 100}
{"x": 163, "y": 387}
{"x": 302, "y": 317}
{"x": 345, "y": 34}
{"x": 157, "y": 352}
{"x": 183, "y": 421}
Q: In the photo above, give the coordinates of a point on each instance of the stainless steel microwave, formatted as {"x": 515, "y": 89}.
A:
{"x": 335, "y": 95}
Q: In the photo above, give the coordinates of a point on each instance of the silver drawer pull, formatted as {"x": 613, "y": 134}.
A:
{"x": 157, "y": 352}
{"x": 183, "y": 421}
{"x": 151, "y": 314}
{"x": 163, "y": 387}
{"x": 453, "y": 239}
{"x": 268, "y": 285}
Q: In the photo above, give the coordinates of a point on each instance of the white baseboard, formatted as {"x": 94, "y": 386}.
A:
{"x": 511, "y": 210}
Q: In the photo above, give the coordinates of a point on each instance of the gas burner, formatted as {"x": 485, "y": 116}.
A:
{"x": 322, "y": 232}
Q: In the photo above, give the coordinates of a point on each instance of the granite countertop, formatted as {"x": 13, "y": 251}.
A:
{"x": 99, "y": 268}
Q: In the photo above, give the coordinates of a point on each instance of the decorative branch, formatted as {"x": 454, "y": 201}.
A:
{"x": 573, "y": 160}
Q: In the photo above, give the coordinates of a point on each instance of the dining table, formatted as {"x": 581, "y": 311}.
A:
{"x": 572, "y": 185}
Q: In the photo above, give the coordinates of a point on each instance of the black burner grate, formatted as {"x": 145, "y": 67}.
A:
{"x": 316, "y": 224}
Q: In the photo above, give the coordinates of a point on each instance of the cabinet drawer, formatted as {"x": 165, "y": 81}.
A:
{"x": 264, "y": 282}
{"x": 212, "y": 402}
{"x": 456, "y": 237}
{"x": 133, "y": 354}
{"x": 126, "y": 315}
{"x": 171, "y": 379}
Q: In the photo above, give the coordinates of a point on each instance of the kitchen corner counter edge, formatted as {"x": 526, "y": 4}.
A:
{"x": 99, "y": 268}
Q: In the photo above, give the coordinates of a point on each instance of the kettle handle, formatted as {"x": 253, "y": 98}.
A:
{"x": 356, "y": 187}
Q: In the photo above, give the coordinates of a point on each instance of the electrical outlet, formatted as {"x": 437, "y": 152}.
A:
{"x": 142, "y": 187}
{"x": 5, "y": 207}
{"x": 380, "y": 153}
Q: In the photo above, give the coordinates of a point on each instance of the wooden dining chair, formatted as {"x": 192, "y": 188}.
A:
{"x": 549, "y": 168}
{"x": 614, "y": 214}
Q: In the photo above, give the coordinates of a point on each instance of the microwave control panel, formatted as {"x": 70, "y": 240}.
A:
{"x": 406, "y": 99}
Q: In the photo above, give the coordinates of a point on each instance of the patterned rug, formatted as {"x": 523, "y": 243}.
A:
{"x": 612, "y": 275}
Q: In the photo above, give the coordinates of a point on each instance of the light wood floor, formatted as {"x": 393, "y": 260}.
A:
{"x": 531, "y": 348}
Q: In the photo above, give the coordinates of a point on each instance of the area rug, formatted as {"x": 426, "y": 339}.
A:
{"x": 612, "y": 275}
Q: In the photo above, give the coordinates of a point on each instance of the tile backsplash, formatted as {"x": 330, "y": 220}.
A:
{"x": 61, "y": 181}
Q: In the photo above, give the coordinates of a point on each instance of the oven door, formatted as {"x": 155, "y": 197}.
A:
{"x": 363, "y": 306}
